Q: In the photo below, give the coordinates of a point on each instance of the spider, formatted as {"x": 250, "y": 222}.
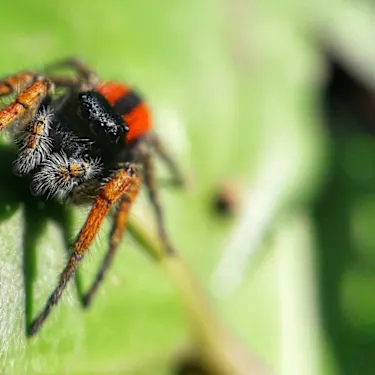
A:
{"x": 92, "y": 144}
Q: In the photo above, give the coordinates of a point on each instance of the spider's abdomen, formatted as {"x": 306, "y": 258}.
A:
{"x": 129, "y": 106}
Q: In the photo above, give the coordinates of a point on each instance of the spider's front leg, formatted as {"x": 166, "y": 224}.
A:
{"x": 117, "y": 232}
{"x": 26, "y": 104}
{"x": 122, "y": 211}
{"x": 16, "y": 83}
{"x": 124, "y": 183}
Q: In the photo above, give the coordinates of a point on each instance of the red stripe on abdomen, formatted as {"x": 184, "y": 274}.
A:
{"x": 139, "y": 122}
{"x": 112, "y": 91}
{"x": 130, "y": 106}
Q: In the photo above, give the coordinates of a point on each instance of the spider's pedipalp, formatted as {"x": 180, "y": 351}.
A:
{"x": 53, "y": 178}
{"x": 59, "y": 175}
{"x": 34, "y": 143}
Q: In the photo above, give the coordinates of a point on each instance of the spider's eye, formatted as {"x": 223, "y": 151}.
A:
{"x": 102, "y": 118}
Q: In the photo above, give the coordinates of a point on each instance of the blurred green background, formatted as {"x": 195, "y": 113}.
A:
{"x": 275, "y": 98}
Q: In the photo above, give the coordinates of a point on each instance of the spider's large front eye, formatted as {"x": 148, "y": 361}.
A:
{"x": 103, "y": 119}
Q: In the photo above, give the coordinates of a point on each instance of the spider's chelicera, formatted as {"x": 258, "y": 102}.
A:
{"x": 93, "y": 143}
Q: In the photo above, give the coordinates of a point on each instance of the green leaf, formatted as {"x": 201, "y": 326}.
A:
{"x": 234, "y": 89}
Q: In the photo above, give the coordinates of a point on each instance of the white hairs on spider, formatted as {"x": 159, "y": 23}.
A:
{"x": 34, "y": 143}
{"x": 59, "y": 175}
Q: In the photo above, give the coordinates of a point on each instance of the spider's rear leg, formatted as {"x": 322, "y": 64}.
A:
{"x": 124, "y": 183}
{"x": 26, "y": 104}
{"x": 121, "y": 215}
{"x": 177, "y": 176}
{"x": 150, "y": 182}
{"x": 117, "y": 232}
{"x": 82, "y": 69}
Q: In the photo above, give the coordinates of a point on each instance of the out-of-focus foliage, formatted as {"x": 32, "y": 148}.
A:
{"x": 238, "y": 93}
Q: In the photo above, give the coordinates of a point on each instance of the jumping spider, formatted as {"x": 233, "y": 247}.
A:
{"x": 91, "y": 144}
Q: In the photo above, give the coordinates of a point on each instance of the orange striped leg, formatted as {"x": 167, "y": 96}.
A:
{"x": 117, "y": 232}
{"x": 125, "y": 183}
{"x": 26, "y": 100}
{"x": 16, "y": 83}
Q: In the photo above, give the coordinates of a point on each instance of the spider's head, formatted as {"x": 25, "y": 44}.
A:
{"x": 103, "y": 120}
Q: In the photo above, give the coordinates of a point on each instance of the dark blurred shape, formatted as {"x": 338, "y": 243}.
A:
{"x": 346, "y": 97}
{"x": 190, "y": 367}
{"x": 226, "y": 199}
{"x": 349, "y": 114}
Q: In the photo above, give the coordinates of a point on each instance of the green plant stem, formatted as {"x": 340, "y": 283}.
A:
{"x": 214, "y": 348}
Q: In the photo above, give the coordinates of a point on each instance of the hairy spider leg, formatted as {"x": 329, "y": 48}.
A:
{"x": 82, "y": 69}
{"x": 117, "y": 232}
{"x": 124, "y": 183}
{"x": 16, "y": 82}
{"x": 136, "y": 115}
{"x": 65, "y": 81}
{"x": 121, "y": 216}
{"x": 156, "y": 144}
{"x": 150, "y": 182}
{"x": 27, "y": 100}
